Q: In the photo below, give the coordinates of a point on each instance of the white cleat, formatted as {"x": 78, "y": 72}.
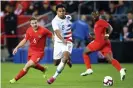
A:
{"x": 123, "y": 73}
{"x": 88, "y": 72}
{"x": 12, "y": 81}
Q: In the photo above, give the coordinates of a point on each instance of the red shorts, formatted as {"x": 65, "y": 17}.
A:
{"x": 104, "y": 47}
{"x": 36, "y": 57}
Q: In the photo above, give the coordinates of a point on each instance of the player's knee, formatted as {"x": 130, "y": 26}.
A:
{"x": 26, "y": 68}
{"x": 86, "y": 51}
{"x": 56, "y": 62}
{"x": 109, "y": 60}
{"x": 65, "y": 59}
{"x": 31, "y": 63}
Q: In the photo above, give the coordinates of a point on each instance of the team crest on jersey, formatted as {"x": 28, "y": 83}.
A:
{"x": 39, "y": 36}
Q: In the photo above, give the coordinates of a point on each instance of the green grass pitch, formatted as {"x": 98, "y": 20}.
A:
{"x": 70, "y": 77}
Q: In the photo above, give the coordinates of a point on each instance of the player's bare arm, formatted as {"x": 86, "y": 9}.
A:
{"x": 58, "y": 33}
{"x": 91, "y": 36}
{"x": 52, "y": 37}
{"x": 19, "y": 45}
{"x": 108, "y": 31}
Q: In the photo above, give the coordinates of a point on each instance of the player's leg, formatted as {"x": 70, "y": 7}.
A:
{"x": 93, "y": 46}
{"x": 86, "y": 58}
{"x": 108, "y": 55}
{"x": 116, "y": 64}
{"x": 36, "y": 58}
{"x": 113, "y": 61}
{"x": 23, "y": 72}
{"x": 60, "y": 67}
{"x": 57, "y": 55}
{"x": 63, "y": 61}
{"x": 57, "y": 62}
{"x": 66, "y": 49}
{"x": 69, "y": 63}
{"x": 40, "y": 67}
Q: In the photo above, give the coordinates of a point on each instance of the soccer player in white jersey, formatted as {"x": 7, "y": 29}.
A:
{"x": 62, "y": 40}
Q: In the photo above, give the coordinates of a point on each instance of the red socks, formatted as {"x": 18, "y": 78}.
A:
{"x": 87, "y": 61}
{"x": 20, "y": 75}
{"x": 22, "y": 72}
{"x": 39, "y": 67}
{"x": 116, "y": 64}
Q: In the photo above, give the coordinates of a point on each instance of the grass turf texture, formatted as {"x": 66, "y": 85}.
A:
{"x": 70, "y": 77}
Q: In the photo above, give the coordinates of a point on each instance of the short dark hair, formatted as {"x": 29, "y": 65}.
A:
{"x": 130, "y": 12}
{"x": 60, "y": 6}
{"x": 95, "y": 12}
{"x": 33, "y": 18}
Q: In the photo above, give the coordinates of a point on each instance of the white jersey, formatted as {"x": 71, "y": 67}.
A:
{"x": 64, "y": 25}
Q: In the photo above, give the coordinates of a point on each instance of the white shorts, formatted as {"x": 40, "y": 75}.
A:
{"x": 59, "y": 48}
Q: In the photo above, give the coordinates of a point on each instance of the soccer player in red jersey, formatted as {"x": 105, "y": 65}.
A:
{"x": 101, "y": 43}
{"x": 37, "y": 37}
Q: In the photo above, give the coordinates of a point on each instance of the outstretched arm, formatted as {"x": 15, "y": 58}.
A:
{"x": 19, "y": 45}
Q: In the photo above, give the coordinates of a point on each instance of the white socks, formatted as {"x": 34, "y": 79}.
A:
{"x": 60, "y": 67}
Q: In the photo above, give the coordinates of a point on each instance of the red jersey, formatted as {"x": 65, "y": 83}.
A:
{"x": 100, "y": 30}
{"x": 37, "y": 39}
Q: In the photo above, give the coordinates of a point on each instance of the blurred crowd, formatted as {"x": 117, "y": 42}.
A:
{"x": 41, "y": 7}
{"x": 122, "y": 28}
{"x": 36, "y": 7}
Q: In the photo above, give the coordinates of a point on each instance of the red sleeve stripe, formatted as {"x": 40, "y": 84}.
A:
{"x": 67, "y": 33}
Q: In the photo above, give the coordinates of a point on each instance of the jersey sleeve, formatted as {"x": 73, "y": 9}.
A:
{"x": 105, "y": 24}
{"x": 55, "y": 25}
{"x": 27, "y": 35}
{"x": 48, "y": 33}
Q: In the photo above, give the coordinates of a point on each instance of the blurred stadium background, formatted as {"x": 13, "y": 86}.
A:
{"x": 15, "y": 17}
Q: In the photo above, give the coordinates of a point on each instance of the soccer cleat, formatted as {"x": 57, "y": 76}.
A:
{"x": 123, "y": 73}
{"x": 51, "y": 80}
{"x": 12, "y": 81}
{"x": 88, "y": 72}
{"x": 69, "y": 63}
{"x": 44, "y": 72}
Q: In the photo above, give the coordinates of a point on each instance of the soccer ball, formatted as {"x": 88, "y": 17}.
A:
{"x": 108, "y": 81}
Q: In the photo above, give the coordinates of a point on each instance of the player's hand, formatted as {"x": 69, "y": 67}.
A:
{"x": 91, "y": 36}
{"x": 106, "y": 37}
{"x": 15, "y": 51}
